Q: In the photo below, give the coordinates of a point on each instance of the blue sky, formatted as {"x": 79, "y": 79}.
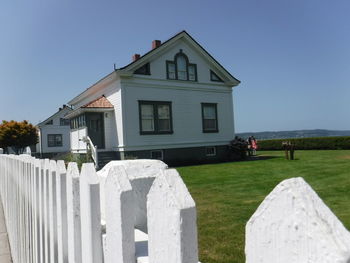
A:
{"x": 293, "y": 57}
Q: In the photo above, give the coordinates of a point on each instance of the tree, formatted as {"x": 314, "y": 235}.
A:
{"x": 17, "y": 135}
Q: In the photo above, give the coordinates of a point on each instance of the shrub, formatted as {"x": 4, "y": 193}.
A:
{"x": 238, "y": 149}
{"x": 75, "y": 157}
{"x": 17, "y": 135}
{"x": 316, "y": 143}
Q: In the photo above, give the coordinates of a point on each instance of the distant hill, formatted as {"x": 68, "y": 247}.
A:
{"x": 292, "y": 134}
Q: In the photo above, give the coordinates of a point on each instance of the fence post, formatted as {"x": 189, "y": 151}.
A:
{"x": 91, "y": 232}
{"x": 73, "y": 214}
{"x": 61, "y": 197}
{"x": 171, "y": 214}
{"x": 120, "y": 236}
{"x": 292, "y": 225}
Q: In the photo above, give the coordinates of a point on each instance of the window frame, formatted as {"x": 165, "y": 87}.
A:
{"x": 78, "y": 122}
{"x": 188, "y": 65}
{"x": 155, "y": 105}
{"x": 64, "y": 122}
{"x": 167, "y": 69}
{"x": 159, "y": 151}
{"x": 204, "y": 104}
{"x": 55, "y": 144}
{"x": 208, "y": 154}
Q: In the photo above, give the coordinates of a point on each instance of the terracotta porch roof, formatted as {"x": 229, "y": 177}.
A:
{"x": 100, "y": 102}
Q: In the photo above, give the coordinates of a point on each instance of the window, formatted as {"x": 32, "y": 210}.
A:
{"x": 54, "y": 140}
{"x": 155, "y": 117}
{"x": 144, "y": 70}
{"x": 171, "y": 70}
{"x": 50, "y": 122}
{"x": 181, "y": 63}
{"x": 209, "y": 117}
{"x": 181, "y": 69}
{"x": 214, "y": 77}
{"x": 157, "y": 154}
{"x": 210, "y": 151}
{"x": 64, "y": 122}
{"x": 77, "y": 122}
{"x": 192, "y": 72}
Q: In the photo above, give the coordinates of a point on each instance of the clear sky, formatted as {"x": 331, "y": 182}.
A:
{"x": 293, "y": 57}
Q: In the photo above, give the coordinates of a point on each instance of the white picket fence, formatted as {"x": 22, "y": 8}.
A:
{"x": 131, "y": 211}
{"x": 140, "y": 211}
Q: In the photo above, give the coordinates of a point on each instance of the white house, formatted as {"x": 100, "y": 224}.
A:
{"x": 54, "y": 134}
{"x": 174, "y": 103}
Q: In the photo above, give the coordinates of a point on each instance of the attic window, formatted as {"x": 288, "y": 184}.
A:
{"x": 214, "y": 77}
{"x": 50, "y": 122}
{"x": 144, "y": 70}
{"x": 181, "y": 69}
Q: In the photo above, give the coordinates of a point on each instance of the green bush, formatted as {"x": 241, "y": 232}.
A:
{"x": 317, "y": 143}
{"x": 238, "y": 149}
{"x": 74, "y": 157}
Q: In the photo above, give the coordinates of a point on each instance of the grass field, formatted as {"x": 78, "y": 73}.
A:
{"x": 227, "y": 194}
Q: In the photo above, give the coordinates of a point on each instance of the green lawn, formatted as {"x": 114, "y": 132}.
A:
{"x": 227, "y": 194}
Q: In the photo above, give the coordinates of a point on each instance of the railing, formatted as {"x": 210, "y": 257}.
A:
{"x": 93, "y": 149}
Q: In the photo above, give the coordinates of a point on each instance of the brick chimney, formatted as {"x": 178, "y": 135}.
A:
{"x": 156, "y": 43}
{"x": 135, "y": 57}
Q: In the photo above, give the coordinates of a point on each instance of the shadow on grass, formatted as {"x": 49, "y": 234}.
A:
{"x": 261, "y": 157}
{"x": 247, "y": 159}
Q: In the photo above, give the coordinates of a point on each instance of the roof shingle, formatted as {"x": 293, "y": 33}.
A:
{"x": 101, "y": 102}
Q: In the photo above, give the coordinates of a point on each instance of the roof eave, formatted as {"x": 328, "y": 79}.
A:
{"x": 128, "y": 70}
{"x": 79, "y": 97}
{"x": 83, "y": 110}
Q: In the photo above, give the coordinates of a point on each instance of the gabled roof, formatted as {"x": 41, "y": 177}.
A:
{"x": 183, "y": 34}
{"x": 129, "y": 69}
{"x": 60, "y": 110}
{"x": 101, "y": 102}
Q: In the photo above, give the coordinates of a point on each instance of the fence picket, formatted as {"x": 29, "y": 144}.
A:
{"x": 171, "y": 216}
{"x": 292, "y": 225}
{"x": 120, "y": 237}
{"x": 91, "y": 232}
{"x": 73, "y": 214}
{"x": 61, "y": 197}
{"x": 52, "y": 212}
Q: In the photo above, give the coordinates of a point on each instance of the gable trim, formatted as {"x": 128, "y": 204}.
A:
{"x": 43, "y": 123}
{"x": 183, "y": 34}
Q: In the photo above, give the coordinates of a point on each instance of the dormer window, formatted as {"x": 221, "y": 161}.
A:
{"x": 181, "y": 69}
